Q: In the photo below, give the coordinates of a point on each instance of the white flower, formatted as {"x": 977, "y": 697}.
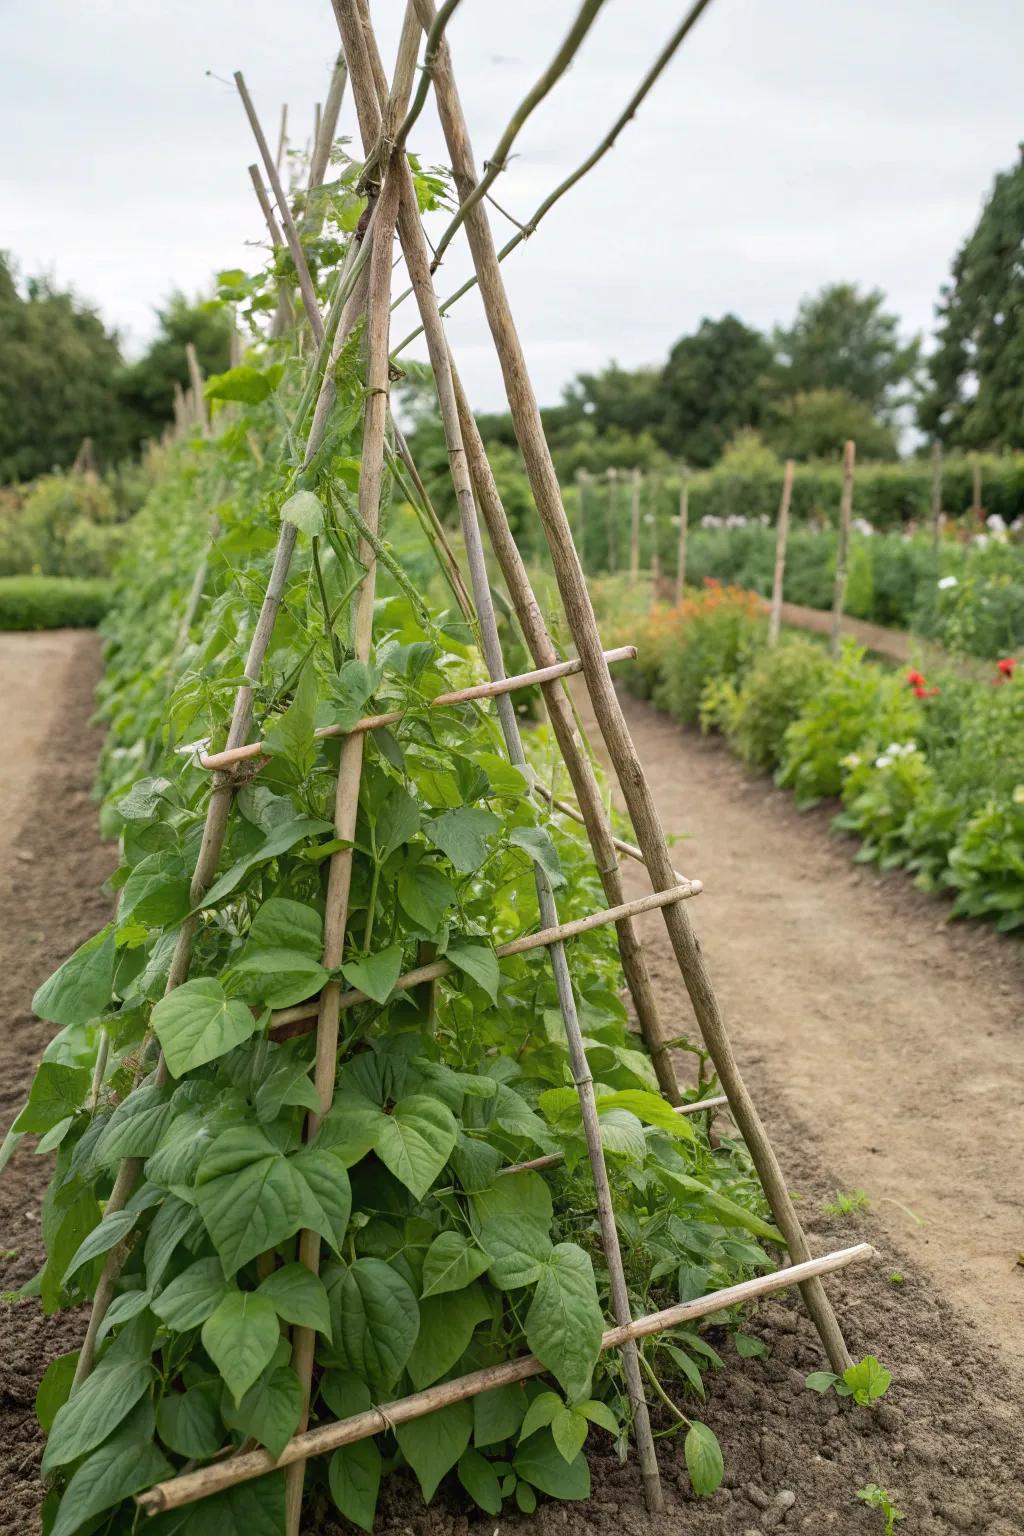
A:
{"x": 981, "y": 540}
{"x": 945, "y": 582}
{"x": 883, "y": 761}
{"x": 996, "y": 523}
{"x": 851, "y": 760}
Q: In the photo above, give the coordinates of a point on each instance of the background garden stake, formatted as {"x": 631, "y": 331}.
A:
{"x": 583, "y": 626}
{"x": 634, "y": 524}
{"x": 611, "y": 522}
{"x": 842, "y": 548}
{"x": 684, "y": 527}
{"x": 781, "y": 534}
{"x": 936, "y": 508}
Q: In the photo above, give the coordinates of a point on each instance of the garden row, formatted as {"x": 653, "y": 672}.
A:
{"x": 929, "y": 770}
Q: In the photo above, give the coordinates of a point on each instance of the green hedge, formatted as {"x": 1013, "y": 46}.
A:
{"x": 52, "y": 602}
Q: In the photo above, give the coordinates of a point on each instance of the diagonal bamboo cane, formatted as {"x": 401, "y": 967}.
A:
{"x": 190, "y": 1486}
{"x": 583, "y": 626}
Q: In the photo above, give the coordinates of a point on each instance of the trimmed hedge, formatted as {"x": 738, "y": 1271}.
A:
{"x": 52, "y": 602}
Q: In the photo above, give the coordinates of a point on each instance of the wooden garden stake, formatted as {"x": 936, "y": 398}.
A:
{"x": 781, "y": 535}
{"x": 417, "y": 257}
{"x": 684, "y": 528}
{"x": 283, "y": 315}
{"x": 583, "y": 626}
{"x": 936, "y": 494}
{"x": 976, "y": 504}
{"x": 655, "y": 486}
{"x": 842, "y": 547}
{"x": 611, "y": 516}
{"x": 634, "y": 525}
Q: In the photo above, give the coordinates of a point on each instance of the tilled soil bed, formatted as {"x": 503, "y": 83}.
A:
{"x": 947, "y": 1442}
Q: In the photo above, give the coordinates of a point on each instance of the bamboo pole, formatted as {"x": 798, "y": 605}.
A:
{"x": 583, "y": 626}
{"x": 630, "y": 110}
{"x": 976, "y": 503}
{"x": 284, "y": 314}
{"x": 611, "y": 520}
{"x": 684, "y": 529}
{"x": 327, "y": 126}
{"x": 634, "y": 525}
{"x": 498, "y": 160}
{"x": 494, "y": 689}
{"x": 195, "y": 374}
{"x": 291, "y": 234}
{"x": 282, "y": 1021}
{"x": 371, "y": 474}
{"x": 190, "y": 1486}
{"x": 282, "y": 139}
{"x": 936, "y": 518}
{"x": 842, "y": 548}
{"x": 781, "y": 535}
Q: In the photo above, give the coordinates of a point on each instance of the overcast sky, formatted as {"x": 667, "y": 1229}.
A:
{"x": 791, "y": 143}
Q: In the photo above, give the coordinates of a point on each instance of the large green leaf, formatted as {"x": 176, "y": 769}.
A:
{"x": 81, "y": 988}
{"x": 305, "y": 511}
{"x": 248, "y": 1509}
{"x": 703, "y": 1458}
{"x": 433, "y": 1444}
{"x": 481, "y": 1482}
{"x": 95, "y": 1408}
{"x": 375, "y": 1319}
{"x": 298, "y": 1296}
{"x": 564, "y": 1324}
{"x": 354, "y": 1477}
{"x": 101, "y": 1239}
{"x": 512, "y": 1221}
{"x": 277, "y": 978}
{"x": 280, "y": 840}
{"x": 537, "y": 843}
{"x": 322, "y": 1170}
{"x": 197, "y": 1022}
{"x": 189, "y": 1423}
{"x": 479, "y": 962}
{"x": 127, "y": 1463}
{"x": 446, "y": 1327}
{"x": 396, "y": 822}
{"x": 55, "y": 1387}
{"x": 426, "y": 895}
{"x": 190, "y": 1299}
{"x": 540, "y": 1463}
{"x": 290, "y": 735}
{"x": 240, "y": 1337}
{"x": 249, "y": 1196}
{"x": 375, "y": 974}
{"x": 271, "y": 1409}
{"x": 57, "y": 1092}
{"x": 135, "y": 1127}
{"x": 284, "y": 924}
{"x": 415, "y": 1141}
{"x": 463, "y": 835}
{"x": 452, "y": 1262}
{"x": 734, "y": 1215}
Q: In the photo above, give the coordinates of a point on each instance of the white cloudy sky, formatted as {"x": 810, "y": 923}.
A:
{"x": 791, "y": 143}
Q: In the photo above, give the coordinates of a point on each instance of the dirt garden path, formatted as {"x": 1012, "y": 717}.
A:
{"x": 840, "y": 997}
{"x": 869, "y": 1028}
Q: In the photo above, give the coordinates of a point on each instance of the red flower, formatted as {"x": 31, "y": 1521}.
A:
{"x": 1007, "y": 666}
{"x": 915, "y": 679}
{"x": 925, "y": 693}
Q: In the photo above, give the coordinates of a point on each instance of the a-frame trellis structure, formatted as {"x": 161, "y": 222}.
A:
{"x": 364, "y": 287}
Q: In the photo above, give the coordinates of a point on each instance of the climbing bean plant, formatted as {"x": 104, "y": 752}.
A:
{"x": 437, "y": 1259}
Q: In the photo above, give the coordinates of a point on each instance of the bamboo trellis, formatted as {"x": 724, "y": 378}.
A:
{"x": 365, "y": 287}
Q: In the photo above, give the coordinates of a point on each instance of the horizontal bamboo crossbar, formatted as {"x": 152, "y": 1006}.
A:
{"x": 282, "y": 1022}
{"x": 457, "y": 696}
{"x": 552, "y": 1159}
{"x": 178, "y": 1491}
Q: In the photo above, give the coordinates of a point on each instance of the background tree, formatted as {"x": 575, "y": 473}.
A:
{"x": 59, "y": 370}
{"x": 976, "y": 394}
{"x": 843, "y": 339}
{"x": 715, "y": 382}
{"x": 816, "y": 423}
{"x": 147, "y": 387}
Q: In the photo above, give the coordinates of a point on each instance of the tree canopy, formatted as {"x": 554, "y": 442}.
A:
{"x": 975, "y": 397}
{"x": 843, "y": 339}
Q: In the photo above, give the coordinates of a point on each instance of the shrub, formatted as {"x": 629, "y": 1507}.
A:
{"x": 51, "y": 602}
{"x": 775, "y": 691}
{"x": 855, "y": 710}
{"x": 65, "y": 525}
{"x": 717, "y": 635}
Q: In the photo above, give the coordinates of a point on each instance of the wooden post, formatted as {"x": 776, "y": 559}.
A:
{"x": 634, "y": 526}
{"x": 936, "y": 518}
{"x": 622, "y": 750}
{"x": 611, "y": 521}
{"x": 976, "y": 503}
{"x": 652, "y": 502}
{"x": 842, "y": 547}
{"x": 684, "y": 526}
{"x": 781, "y": 534}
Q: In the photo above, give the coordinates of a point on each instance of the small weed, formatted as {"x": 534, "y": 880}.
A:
{"x": 878, "y": 1498}
{"x": 844, "y": 1203}
{"x": 897, "y": 1279}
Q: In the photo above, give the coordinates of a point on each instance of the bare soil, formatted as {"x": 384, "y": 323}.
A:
{"x": 860, "y": 1019}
